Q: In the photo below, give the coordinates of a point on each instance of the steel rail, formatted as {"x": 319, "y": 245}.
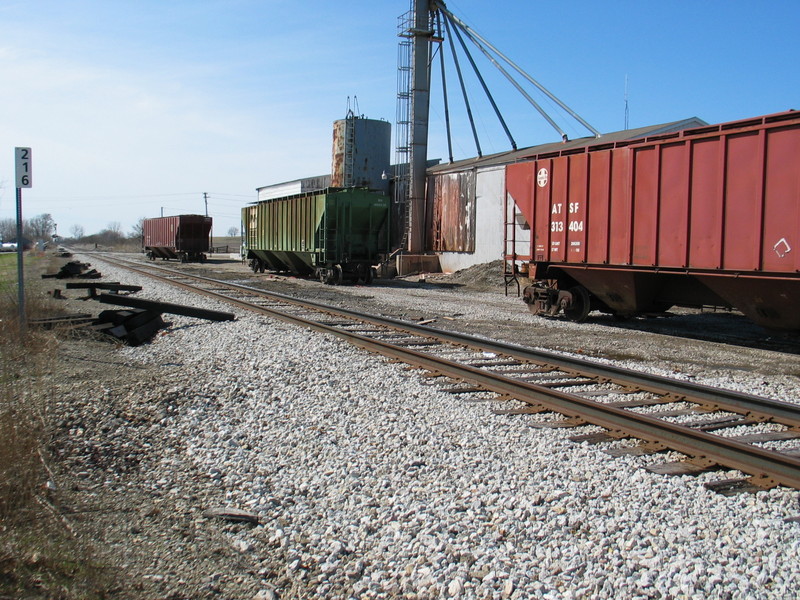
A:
{"x": 765, "y": 466}
{"x": 770, "y": 467}
{"x": 785, "y": 413}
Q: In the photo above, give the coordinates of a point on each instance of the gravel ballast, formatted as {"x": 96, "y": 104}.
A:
{"x": 368, "y": 481}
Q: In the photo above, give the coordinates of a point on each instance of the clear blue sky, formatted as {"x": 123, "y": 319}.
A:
{"x": 131, "y": 106}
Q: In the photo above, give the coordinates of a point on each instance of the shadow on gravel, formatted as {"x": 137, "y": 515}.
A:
{"x": 221, "y": 261}
{"x": 721, "y": 328}
{"x": 414, "y": 284}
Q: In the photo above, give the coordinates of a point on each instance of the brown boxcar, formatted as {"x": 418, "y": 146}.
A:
{"x": 707, "y": 216}
{"x": 182, "y": 237}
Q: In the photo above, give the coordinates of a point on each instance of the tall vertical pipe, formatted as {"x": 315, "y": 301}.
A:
{"x": 420, "y": 103}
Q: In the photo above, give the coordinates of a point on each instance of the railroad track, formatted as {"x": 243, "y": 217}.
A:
{"x": 712, "y": 428}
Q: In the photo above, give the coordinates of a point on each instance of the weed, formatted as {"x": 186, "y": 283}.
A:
{"x": 39, "y": 556}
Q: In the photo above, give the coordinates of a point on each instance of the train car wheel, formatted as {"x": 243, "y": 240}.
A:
{"x": 338, "y": 275}
{"x": 579, "y": 309}
{"x": 364, "y": 274}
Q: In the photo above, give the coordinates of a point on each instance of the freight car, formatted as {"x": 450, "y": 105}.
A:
{"x": 182, "y": 237}
{"x": 704, "y": 217}
{"x": 335, "y": 234}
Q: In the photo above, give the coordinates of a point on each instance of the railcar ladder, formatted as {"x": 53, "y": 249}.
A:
{"x": 349, "y": 148}
{"x": 405, "y": 24}
{"x": 510, "y": 254}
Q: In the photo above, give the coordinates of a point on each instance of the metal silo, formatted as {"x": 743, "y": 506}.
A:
{"x": 361, "y": 153}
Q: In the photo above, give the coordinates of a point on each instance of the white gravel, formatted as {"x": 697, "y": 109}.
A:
{"x": 372, "y": 483}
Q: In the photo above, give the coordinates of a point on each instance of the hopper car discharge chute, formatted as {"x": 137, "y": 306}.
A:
{"x": 182, "y": 237}
{"x": 704, "y": 217}
{"x": 335, "y": 234}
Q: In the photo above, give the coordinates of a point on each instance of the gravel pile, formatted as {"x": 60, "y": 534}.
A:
{"x": 371, "y": 482}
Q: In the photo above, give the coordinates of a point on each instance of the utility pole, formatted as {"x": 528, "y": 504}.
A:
{"x": 211, "y": 233}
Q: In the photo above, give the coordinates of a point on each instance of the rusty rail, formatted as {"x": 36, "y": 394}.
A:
{"x": 766, "y": 467}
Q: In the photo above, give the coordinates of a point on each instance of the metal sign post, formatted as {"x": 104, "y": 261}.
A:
{"x": 23, "y": 171}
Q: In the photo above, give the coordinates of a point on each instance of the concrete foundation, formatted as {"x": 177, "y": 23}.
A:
{"x": 408, "y": 264}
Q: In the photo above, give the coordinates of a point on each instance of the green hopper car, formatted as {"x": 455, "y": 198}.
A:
{"x": 335, "y": 234}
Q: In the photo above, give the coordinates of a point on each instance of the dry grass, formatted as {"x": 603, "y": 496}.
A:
{"x": 39, "y": 555}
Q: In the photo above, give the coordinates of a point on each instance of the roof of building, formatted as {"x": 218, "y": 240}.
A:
{"x": 304, "y": 183}
{"x": 511, "y": 156}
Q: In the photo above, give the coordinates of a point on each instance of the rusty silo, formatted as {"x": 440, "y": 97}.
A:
{"x": 361, "y": 153}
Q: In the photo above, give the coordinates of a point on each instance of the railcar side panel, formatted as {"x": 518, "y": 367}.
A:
{"x": 673, "y": 207}
{"x": 558, "y": 208}
{"x": 576, "y": 208}
{"x": 598, "y": 208}
{"x": 743, "y": 200}
{"x": 645, "y": 205}
{"x": 620, "y": 217}
{"x": 542, "y": 198}
{"x": 705, "y": 239}
{"x": 781, "y": 244}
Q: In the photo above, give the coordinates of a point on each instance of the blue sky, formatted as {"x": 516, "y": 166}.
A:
{"x": 131, "y": 107}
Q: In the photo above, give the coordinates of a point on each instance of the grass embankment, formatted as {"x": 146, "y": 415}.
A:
{"x": 40, "y": 557}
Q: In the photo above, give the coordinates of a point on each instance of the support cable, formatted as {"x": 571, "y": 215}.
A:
{"x": 444, "y": 91}
{"x": 463, "y": 89}
{"x": 519, "y": 88}
{"x": 483, "y": 84}
{"x": 474, "y": 36}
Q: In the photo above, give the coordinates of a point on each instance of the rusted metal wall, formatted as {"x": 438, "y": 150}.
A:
{"x": 451, "y": 212}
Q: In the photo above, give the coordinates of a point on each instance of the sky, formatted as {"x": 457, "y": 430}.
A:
{"x": 137, "y": 108}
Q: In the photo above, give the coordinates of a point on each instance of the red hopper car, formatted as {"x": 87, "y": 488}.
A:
{"x": 182, "y": 237}
{"x": 704, "y": 217}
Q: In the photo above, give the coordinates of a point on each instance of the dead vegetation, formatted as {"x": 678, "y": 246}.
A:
{"x": 40, "y": 557}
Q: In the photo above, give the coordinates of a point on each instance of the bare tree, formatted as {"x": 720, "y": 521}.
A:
{"x": 233, "y": 232}
{"x": 76, "y": 231}
{"x": 8, "y": 229}
{"x": 109, "y": 236}
{"x": 137, "y": 230}
{"x": 40, "y": 227}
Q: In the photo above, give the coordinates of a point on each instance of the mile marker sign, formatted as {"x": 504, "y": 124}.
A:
{"x": 23, "y": 160}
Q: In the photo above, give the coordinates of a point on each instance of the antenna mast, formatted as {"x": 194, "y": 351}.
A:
{"x": 626, "y": 101}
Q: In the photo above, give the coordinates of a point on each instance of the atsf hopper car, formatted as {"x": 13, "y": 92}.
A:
{"x": 181, "y": 237}
{"x": 704, "y": 217}
{"x": 336, "y": 234}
